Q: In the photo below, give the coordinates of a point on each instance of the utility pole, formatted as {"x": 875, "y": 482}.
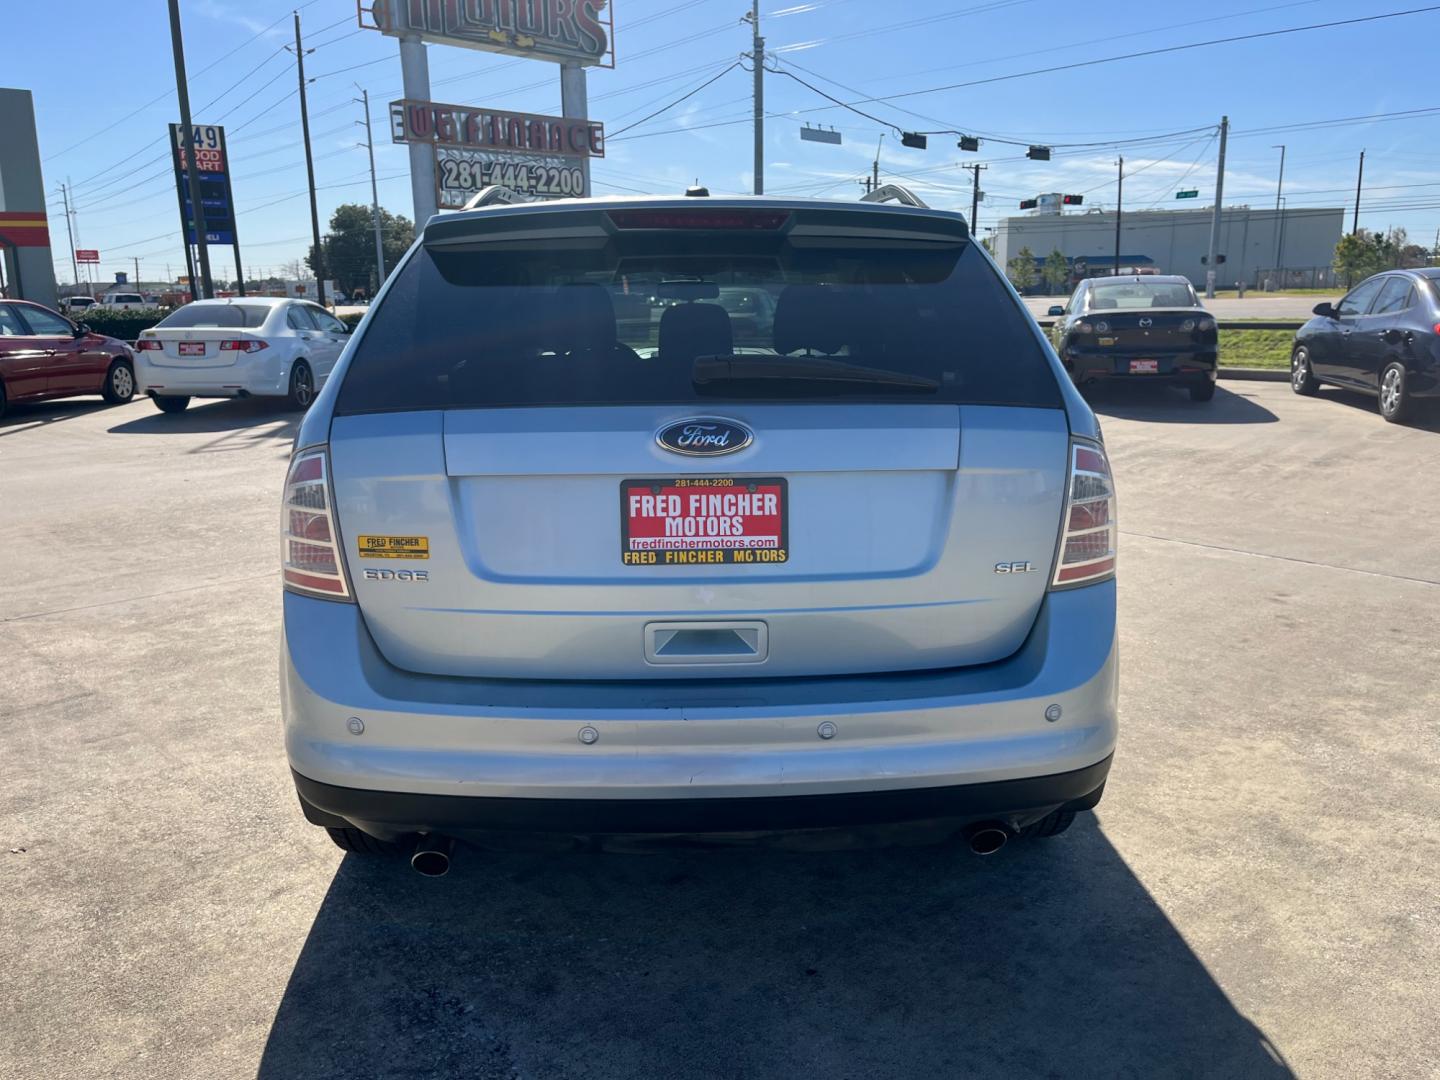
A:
{"x": 192, "y": 176}
{"x": 758, "y": 58}
{"x": 1355, "y": 221}
{"x": 319, "y": 267}
{"x": 374, "y": 193}
{"x": 70, "y": 232}
{"x": 1280, "y": 217}
{"x": 875, "y": 165}
{"x": 1215, "y": 218}
{"x": 974, "y": 195}
{"x": 1119, "y": 208}
{"x": 137, "y": 273}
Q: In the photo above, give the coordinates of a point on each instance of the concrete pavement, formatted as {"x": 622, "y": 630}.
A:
{"x": 1255, "y": 897}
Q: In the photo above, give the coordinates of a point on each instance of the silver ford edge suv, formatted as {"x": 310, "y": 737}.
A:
{"x": 571, "y": 548}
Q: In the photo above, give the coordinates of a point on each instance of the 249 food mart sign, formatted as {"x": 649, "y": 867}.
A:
{"x": 566, "y": 31}
{"x": 534, "y": 155}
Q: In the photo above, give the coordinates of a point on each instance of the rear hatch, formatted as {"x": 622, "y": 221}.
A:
{"x": 525, "y": 491}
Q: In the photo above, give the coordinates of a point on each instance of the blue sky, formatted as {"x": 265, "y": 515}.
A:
{"x": 104, "y": 90}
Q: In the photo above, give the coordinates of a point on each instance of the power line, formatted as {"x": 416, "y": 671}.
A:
{"x": 1257, "y": 36}
{"x": 677, "y": 101}
{"x": 979, "y": 9}
{"x": 1070, "y": 46}
{"x": 155, "y": 100}
{"x": 1008, "y": 142}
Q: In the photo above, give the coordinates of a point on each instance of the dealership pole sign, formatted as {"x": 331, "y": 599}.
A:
{"x": 536, "y": 156}
{"x": 565, "y": 31}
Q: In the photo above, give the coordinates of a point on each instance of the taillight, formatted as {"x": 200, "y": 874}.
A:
{"x": 148, "y": 344}
{"x": 700, "y": 218}
{"x": 242, "y": 345}
{"x": 1087, "y": 536}
{"x": 311, "y": 561}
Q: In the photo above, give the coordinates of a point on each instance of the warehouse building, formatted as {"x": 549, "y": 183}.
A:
{"x": 1176, "y": 241}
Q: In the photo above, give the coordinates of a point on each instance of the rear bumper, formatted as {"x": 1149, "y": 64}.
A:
{"x": 1187, "y": 366}
{"x": 390, "y": 814}
{"x": 928, "y": 741}
{"x": 262, "y": 376}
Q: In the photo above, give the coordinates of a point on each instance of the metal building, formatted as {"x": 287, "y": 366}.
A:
{"x": 1176, "y": 241}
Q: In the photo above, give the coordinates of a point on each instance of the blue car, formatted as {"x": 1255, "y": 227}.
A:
{"x": 1382, "y": 338}
{"x": 548, "y": 570}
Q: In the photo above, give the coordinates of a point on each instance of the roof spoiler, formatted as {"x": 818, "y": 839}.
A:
{"x": 894, "y": 193}
{"x": 495, "y": 194}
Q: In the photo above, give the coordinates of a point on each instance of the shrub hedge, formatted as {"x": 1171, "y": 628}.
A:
{"x": 125, "y": 325}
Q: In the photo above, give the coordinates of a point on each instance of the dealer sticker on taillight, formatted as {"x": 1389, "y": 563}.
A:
{"x": 394, "y": 547}
{"x": 696, "y": 520}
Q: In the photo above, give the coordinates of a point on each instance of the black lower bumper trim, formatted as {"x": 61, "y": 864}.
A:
{"x": 389, "y": 813}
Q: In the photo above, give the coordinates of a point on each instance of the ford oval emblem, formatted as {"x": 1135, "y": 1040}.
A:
{"x": 704, "y": 436}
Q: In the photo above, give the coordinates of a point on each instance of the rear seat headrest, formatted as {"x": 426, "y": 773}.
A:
{"x": 814, "y": 318}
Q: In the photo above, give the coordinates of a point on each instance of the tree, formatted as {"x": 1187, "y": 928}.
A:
{"x": 1021, "y": 269}
{"x": 1360, "y": 254}
{"x": 1056, "y": 272}
{"x": 348, "y": 250}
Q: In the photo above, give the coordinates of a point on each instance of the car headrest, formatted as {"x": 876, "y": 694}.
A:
{"x": 583, "y": 319}
{"x": 1097, "y": 304}
{"x": 691, "y": 330}
{"x": 811, "y": 317}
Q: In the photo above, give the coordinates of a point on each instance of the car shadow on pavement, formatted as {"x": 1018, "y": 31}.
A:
{"x": 219, "y": 416}
{"x": 22, "y": 416}
{"x": 1050, "y": 959}
{"x": 1162, "y": 404}
{"x": 1424, "y": 415}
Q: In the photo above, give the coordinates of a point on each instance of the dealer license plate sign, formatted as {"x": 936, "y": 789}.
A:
{"x": 192, "y": 348}
{"x": 1144, "y": 367}
{"x": 697, "y": 520}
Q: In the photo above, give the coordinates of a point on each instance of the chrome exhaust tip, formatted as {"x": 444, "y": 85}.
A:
{"x": 988, "y": 838}
{"x": 432, "y": 855}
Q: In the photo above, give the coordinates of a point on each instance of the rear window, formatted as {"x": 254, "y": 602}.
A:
{"x": 696, "y": 316}
{"x": 230, "y": 316}
{"x": 1142, "y": 294}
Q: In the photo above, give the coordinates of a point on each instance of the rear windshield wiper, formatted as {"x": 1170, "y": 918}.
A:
{"x": 713, "y": 369}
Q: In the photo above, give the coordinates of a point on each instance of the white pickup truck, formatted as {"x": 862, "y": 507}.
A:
{"x": 124, "y": 301}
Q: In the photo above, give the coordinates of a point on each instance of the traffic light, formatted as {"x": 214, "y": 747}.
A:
{"x": 1038, "y": 153}
{"x": 1073, "y": 200}
{"x": 1029, "y": 204}
{"x": 1205, "y": 259}
{"x": 911, "y": 139}
{"x": 969, "y": 142}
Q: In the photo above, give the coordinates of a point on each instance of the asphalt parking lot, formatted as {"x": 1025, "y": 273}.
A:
{"x": 1256, "y": 896}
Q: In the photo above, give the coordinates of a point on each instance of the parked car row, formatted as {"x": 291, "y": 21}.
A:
{"x": 259, "y": 347}
{"x": 1383, "y": 338}
{"x": 112, "y": 301}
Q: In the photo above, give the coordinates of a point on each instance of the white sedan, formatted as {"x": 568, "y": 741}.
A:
{"x": 241, "y": 347}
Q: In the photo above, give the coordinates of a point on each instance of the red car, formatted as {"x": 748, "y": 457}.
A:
{"x": 45, "y": 355}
